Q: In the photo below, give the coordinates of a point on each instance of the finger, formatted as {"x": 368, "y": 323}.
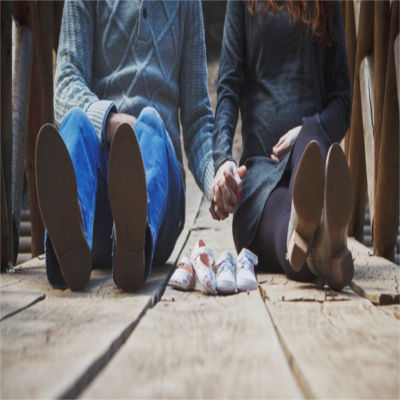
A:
{"x": 232, "y": 186}
{"x": 212, "y": 211}
{"x": 227, "y": 204}
{"x": 219, "y": 202}
{"x": 242, "y": 171}
{"x": 221, "y": 214}
{"x": 223, "y": 209}
{"x": 274, "y": 158}
{"x": 283, "y": 149}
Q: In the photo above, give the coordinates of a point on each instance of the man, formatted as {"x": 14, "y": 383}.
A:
{"x": 111, "y": 180}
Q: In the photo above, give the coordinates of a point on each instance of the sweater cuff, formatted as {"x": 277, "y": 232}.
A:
{"x": 98, "y": 113}
{"x": 208, "y": 178}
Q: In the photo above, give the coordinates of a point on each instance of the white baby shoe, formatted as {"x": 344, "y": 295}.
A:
{"x": 183, "y": 277}
{"x": 245, "y": 275}
{"x": 226, "y": 274}
{"x": 202, "y": 259}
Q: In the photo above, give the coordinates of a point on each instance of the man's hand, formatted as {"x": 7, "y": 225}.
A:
{"x": 114, "y": 120}
{"x": 226, "y": 189}
{"x": 284, "y": 144}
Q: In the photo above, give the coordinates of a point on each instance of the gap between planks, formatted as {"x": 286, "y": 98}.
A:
{"x": 69, "y": 377}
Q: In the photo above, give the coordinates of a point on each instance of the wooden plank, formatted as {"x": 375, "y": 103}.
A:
{"x": 22, "y": 288}
{"x": 277, "y": 287}
{"x": 338, "y": 349}
{"x": 58, "y": 345}
{"x": 375, "y": 278}
{"x": 196, "y": 346}
{"x": 367, "y": 107}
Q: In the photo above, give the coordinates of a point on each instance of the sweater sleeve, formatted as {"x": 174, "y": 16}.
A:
{"x": 195, "y": 110}
{"x": 335, "y": 118}
{"x": 74, "y": 67}
{"x": 230, "y": 81}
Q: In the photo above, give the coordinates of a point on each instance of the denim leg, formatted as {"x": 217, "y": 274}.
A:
{"x": 87, "y": 156}
{"x": 103, "y": 220}
{"x": 165, "y": 190}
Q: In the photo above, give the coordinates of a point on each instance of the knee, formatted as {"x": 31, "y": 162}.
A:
{"x": 152, "y": 118}
{"x": 75, "y": 115}
{"x": 76, "y": 122}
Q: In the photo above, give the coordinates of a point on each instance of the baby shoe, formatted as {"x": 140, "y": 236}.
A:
{"x": 245, "y": 276}
{"x": 183, "y": 277}
{"x": 203, "y": 263}
{"x": 226, "y": 273}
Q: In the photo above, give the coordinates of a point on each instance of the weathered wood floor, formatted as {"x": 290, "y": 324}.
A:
{"x": 287, "y": 340}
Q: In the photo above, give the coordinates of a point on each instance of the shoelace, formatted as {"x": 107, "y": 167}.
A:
{"x": 225, "y": 265}
{"x": 246, "y": 264}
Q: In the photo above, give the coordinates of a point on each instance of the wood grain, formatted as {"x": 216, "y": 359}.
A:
{"x": 196, "y": 346}
{"x": 375, "y": 278}
{"x": 58, "y": 345}
{"x": 338, "y": 349}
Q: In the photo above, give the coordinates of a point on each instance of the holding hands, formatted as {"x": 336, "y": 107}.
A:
{"x": 226, "y": 189}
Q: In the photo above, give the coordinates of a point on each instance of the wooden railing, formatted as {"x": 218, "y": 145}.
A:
{"x": 372, "y": 143}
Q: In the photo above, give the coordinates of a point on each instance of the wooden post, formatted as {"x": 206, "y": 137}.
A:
{"x": 351, "y": 44}
{"x": 387, "y": 188}
{"x": 6, "y": 136}
{"x": 367, "y": 107}
{"x": 21, "y": 95}
{"x": 381, "y": 37}
{"x": 41, "y": 109}
{"x": 355, "y": 149}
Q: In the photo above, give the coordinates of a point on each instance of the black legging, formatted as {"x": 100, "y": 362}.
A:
{"x": 271, "y": 237}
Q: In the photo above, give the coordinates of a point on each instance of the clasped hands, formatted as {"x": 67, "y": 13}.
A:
{"x": 226, "y": 189}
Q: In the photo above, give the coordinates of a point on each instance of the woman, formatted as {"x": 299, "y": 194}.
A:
{"x": 284, "y": 65}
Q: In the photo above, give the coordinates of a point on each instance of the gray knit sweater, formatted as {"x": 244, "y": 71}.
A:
{"x": 128, "y": 55}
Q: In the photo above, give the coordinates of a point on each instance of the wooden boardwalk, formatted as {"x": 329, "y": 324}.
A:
{"x": 287, "y": 340}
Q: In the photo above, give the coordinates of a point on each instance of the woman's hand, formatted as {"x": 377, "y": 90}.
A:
{"x": 114, "y": 120}
{"x": 226, "y": 189}
{"x": 284, "y": 144}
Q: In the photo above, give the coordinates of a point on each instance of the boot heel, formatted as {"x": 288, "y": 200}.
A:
{"x": 128, "y": 269}
{"x": 75, "y": 266}
{"x": 297, "y": 251}
{"x": 341, "y": 269}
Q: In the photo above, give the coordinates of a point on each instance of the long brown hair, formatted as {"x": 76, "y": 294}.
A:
{"x": 315, "y": 15}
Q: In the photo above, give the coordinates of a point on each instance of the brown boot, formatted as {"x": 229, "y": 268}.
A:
{"x": 329, "y": 254}
{"x": 308, "y": 195}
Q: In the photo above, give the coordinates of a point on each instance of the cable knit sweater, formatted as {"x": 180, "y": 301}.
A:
{"x": 126, "y": 55}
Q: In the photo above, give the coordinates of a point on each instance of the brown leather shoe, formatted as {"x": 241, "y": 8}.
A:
{"x": 305, "y": 216}
{"x": 329, "y": 254}
{"x": 59, "y": 206}
{"x": 128, "y": 200}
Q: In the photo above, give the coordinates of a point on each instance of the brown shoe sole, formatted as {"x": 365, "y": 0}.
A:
{"x": 338, "y": 205}
{"x": 59, "y": 206}
{"x": 128, "y": 200}
{"x": 308, "y": 197}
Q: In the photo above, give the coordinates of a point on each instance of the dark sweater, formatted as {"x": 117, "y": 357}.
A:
{"x": 277, "y": 74}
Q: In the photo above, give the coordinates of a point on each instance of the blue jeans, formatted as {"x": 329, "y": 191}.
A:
{"x": 165, "y": 190}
